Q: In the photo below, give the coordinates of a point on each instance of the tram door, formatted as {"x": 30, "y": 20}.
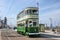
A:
{"x": 26, "y": 25}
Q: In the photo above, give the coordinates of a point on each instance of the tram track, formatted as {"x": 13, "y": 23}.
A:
{"x": 4, "y": 35}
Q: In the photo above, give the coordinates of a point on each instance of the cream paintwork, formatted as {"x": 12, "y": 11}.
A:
{"x": 28, "y": 16}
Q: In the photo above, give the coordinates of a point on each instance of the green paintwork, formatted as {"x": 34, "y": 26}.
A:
{"x": 21, "y": 29}
{"x": 41, "y": 27}
{"x": 29, "y": 30}
{"x": 33, "y": 30}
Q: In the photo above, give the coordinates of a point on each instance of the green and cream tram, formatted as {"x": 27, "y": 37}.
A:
{"x": 27, "y": 21}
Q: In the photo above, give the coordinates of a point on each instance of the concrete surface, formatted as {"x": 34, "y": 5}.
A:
{"x": 6, "y": 34}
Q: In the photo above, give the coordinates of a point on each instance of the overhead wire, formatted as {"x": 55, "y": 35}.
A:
{"x": 10, "y": 6}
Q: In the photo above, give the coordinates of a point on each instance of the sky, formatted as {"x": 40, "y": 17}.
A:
{"x": 47, "y": 9}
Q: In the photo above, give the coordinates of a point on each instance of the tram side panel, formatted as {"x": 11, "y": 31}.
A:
{"x": 21, "y": 30}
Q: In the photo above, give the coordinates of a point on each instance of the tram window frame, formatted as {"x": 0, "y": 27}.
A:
{"x": 29, "y": 11}
{"x": 30, "y": 23}
{"x": 34, "y": 23}
{"x": 25, "y": 12}
{"x": 34, "y": 11}
{"x": 18, "y": 16}
{"x": 20, "y": 25}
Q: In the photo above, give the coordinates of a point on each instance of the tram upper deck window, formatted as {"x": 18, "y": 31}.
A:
{"x": 28, "y": 11}
{"x": 18, "y": 17}
{"x": 32, "y": 11}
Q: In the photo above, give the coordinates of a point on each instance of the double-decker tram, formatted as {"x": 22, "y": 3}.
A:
{"x": 27, "y": 21}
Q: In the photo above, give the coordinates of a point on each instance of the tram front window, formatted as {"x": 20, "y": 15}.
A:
{"x": 30, "y": 23}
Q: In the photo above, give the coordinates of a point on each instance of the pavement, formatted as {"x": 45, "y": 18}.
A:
{"x": 54, "y": 34}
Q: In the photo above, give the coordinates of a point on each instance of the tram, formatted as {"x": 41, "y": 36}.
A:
{"x": 28, "y": 21}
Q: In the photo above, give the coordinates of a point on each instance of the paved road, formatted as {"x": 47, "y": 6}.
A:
{"x": 10, "y": 35}
{"x": 6, "y": 34}
{"x": 50, "y": 36}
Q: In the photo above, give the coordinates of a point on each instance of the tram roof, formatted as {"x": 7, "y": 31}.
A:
{"x": 32, "y": 8}
{"x": 29, "y": 8}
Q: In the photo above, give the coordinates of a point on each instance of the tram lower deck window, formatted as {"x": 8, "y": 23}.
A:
{"x": 34, "y": 23}
{"x": 20, "y": 25}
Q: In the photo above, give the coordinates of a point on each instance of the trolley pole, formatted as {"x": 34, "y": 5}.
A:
{"x": 37, "y": 4}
